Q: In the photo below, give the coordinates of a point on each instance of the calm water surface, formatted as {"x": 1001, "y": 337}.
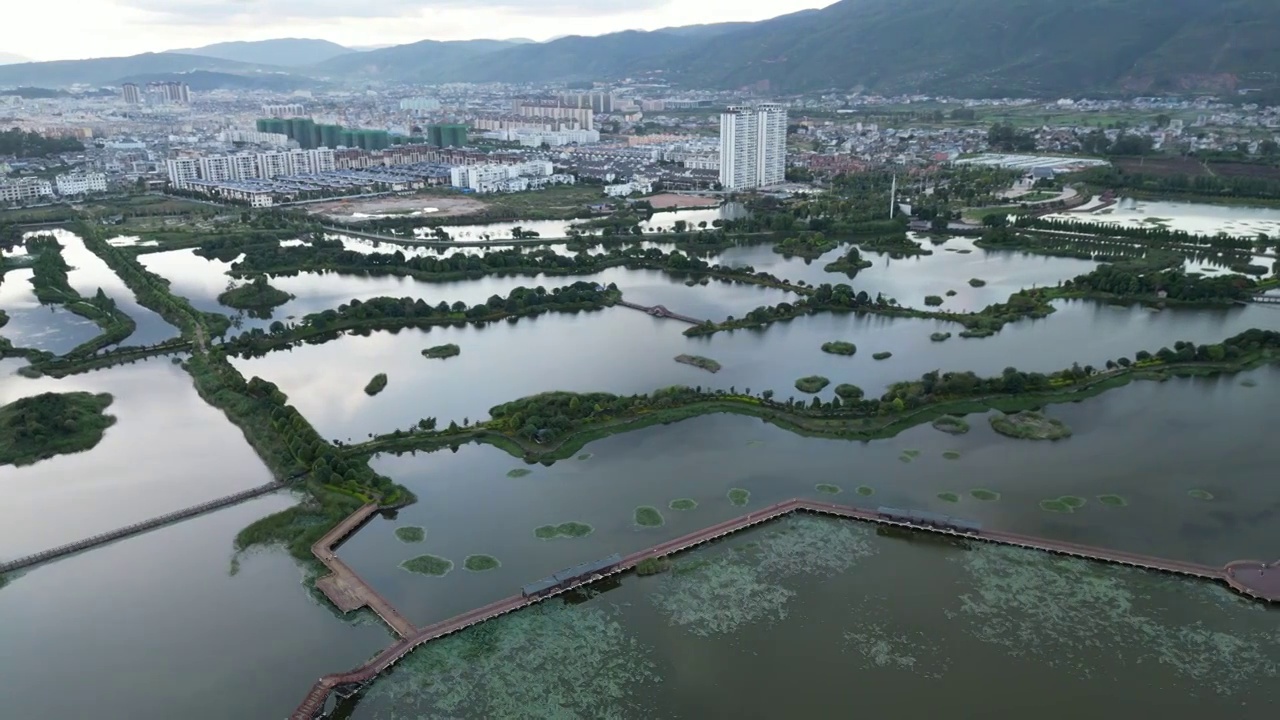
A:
{"x": 32, "y": 325}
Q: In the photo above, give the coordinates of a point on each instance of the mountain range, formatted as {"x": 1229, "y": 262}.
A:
{"x": 959, "y": 47}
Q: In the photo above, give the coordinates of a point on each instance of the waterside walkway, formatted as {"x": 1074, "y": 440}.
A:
{"x": 1254, "y": 579}
{"x": 137, "y": 528}
{"x": 347, "y": 590}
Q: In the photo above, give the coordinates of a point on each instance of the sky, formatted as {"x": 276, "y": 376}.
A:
{"x": 73, "y": 29}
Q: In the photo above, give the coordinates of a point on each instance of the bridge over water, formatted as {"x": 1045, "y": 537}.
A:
{"x": 1252, "y": 578}
{"x": 138, "y": 528}
{"x": 660, "y": 312}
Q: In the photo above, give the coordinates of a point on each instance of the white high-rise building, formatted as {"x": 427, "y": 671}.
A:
{"x": 183, "y": 170}
{"x": 753, "y": 146}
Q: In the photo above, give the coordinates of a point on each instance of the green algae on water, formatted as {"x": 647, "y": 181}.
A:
{"x": 566, "y": 530}
{"x": 519, "y": 472}
{"x": 1249, "y": 382}
{"x": 410, "y": 534}
{"x": 984, "y": 494}
{"x": 648, "y": 516}
{"x": 828, "y": 489}
{"x": 1200, "y": 494}
{"x": 913, "y": 454}
{"x": 1071, "y": 501}
{"x": 585, "y": 456}
{"x": 683, "y": 504}
{"x": 1112, "y": 500}
{"x": 951, "y": 424}
{"x": 428, "y": 565}
{"x": 739, "y": 497}
{"x": 866, "y": 491}
{"x": 948, "y": 497}
{"x": 951, "y": 455}
{"x": 480, "y": 563}
{"x": 1056, "y": 506}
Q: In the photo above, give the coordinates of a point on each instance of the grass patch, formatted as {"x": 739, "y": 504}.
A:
{"x": 442, "y": 351}
{"x": 376, "y": 385}
{"x": 699, "y": 362}
{"x": 865, "y": 490}
{"x": 812, "y": 384}
{"x": 565, "y": 530}
{"x": 882, "y": 355}
{"x": 428, "y": 565}
{"x": 653, "y": 566}
{"x": 481, "y": 563}
{"x": 984, "y": 494}
{"x": 683, "y": 504}
{"x": 1200, "y": 494}
{"x": 739, "y": 497}
{"x": 951, "y": 424}
{"x": 949, "y": 497}
{"x": 1066, "y": 504}
{"x": 41, "y": 426}
{"x": 1030, "y": 425}
{"x": 976, "y": 282}
{"x": 839, "y": 347}
{"x": 647, "y": 516}
{"x": 828, "y": 489}
{"x": 951, "y": 455}
{"x": 519, "y": 472}
{"x": 1112, "y": 500}
{"x": 410, "y": 534}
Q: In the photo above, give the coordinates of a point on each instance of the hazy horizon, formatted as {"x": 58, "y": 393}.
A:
{"x": 86, "y": 29}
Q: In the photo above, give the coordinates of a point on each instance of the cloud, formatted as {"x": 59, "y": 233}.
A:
{"x": 228, "y": 12}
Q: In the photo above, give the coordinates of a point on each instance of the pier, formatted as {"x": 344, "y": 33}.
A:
{"x": 1257, "y": 580}
{"x": 138, "y": 528}
{"x": 1264, "y": 298}
{"x": 347, "y": 590}
{"x": 659, "y": 311}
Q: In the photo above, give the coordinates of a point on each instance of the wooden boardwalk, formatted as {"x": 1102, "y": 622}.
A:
{"x": 347, "y": 590}
{"x": 1251, "y": 578}
{"x": 660, "y": 312}
{"x": 138, "y": 528}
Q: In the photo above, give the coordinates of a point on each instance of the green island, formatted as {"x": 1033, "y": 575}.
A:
{"x": 647, "y": 516}
{"x": 848, "y": 392}
{"x": 865, "y": 491}
{"x": 1113, "y": 500}
{"x": 951, "y": 293}
{"x": 949, "y": 497}
{"x": 698, "y": 361}
{"x": 683, "y": 504}
{"x": 977, "y": 282}
{"x": 257, "y": 294}
{"x": 951, "y": 424}
{"x": 519, "y": 472}
{"x": 563, "y": 530}
{"x": 839, "y": 347}
{"x": 984, "y": 495}
{"x": 557, "y": 425}
{"x": 376, "y": 385}
{"x": 933, "y": 300}
{"x": 951, "y": 455}
{"x": 41, "y": 426}
{"x": 827, "y": 489}
{"x": 895, "y": 245}
{"x": 428, "y": 565}
{"x": 481, "y": 563}
{"x": 410, "y": 534}
{"x": 442, "y": 351}
{"x": 807, "y": 246}
{"x": 738, "y": 496}
{"x": 940, "y": 336}
{"x": 851, "y": 263}
{"x": 812, "y": 384}
{"x": 1029, "y": 425}
{"x": 881, "y": 355}
{"x": 49, "y": 280}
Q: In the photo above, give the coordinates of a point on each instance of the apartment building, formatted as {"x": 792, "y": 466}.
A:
{"x": 753, "y": 146}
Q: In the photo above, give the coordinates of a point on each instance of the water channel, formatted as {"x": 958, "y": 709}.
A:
{"x": 173, "y": 624}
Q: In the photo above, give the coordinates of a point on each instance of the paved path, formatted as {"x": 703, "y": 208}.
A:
{"x": 347, "y": 590}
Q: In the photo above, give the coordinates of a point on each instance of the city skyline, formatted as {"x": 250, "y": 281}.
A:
{"x": 113, "y": 28}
